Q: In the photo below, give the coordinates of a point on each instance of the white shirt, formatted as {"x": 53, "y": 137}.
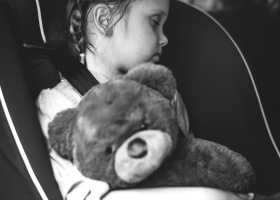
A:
{"x": 72, "y": 184}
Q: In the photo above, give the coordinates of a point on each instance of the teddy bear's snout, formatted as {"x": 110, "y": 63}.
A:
{"x": 137, "y": 148}
{"x": 141, "y": 154}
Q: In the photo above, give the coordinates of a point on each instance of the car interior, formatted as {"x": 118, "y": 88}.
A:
{"x": 213, "y": 79}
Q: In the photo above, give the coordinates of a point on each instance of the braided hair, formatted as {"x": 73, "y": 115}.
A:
{"x": 73, "y": 33}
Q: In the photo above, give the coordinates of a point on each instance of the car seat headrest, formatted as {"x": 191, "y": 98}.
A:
{"x": 33, "y": 19}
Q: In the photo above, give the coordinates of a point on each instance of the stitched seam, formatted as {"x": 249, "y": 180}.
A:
{"x": 63, "y": 90}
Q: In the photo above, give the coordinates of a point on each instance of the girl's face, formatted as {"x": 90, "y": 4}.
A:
{"x": 138, "y": 37}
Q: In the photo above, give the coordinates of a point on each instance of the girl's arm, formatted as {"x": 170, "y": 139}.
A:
{"x": 178, "y": 193}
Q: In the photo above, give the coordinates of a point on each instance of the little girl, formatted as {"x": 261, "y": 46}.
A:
{"x": 111, "y": 37}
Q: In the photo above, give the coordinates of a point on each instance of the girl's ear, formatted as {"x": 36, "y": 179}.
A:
{"x": 100, "y": 17}
{"x": 61, "y": 131}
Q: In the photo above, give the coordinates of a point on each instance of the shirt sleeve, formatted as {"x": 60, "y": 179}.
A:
{"x": 49, "y": 103}
{"x": 72, "y": 184}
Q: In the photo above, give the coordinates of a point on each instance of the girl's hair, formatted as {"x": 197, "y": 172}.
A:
{"x": 73, "y": 31}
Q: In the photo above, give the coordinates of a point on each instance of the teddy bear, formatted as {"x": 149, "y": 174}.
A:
{"x": 125, "y": 132}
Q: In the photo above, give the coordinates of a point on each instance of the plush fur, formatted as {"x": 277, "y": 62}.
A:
{"x": 125, "y": 132}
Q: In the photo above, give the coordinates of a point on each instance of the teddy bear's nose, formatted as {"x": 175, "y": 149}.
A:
{"x": 137, "y": 148}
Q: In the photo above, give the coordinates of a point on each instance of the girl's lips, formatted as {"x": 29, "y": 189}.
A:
{"x": 156, "y": 57}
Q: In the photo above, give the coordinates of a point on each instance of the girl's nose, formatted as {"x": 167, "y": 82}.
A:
{"x": 163, "y": 39}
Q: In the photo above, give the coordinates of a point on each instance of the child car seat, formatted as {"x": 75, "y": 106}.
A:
{"x": 219, "y": 91}
{"x": 25, "y": 173}
{"x": 212, "y": 75}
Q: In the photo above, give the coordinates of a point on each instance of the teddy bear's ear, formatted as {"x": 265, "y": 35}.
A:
{"x": 60, "y": 132}
{"x": 154, "y": 76}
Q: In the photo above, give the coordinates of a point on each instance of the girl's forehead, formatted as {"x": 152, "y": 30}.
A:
{"x": 161, "y": 6}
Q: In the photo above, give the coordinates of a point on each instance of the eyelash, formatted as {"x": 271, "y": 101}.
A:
{"x": 156, "y": 22}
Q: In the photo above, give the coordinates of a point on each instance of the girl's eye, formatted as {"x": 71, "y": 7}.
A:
{"x": 155, "y": 20}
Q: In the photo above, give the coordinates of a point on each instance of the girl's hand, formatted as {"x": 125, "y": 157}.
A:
{"x": 187, "y": 193}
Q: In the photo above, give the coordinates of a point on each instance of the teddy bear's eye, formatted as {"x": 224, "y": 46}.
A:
{"x": 109, "y": 149}
{"x": 144, "y": 126}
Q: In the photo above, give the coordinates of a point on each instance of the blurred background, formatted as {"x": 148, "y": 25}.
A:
{"x": 255, "y": 26}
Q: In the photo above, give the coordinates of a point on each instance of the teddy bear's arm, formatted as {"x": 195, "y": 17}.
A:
{"x": 219, "y": 167}
{"x": 60, "y": 132}
{"x": 197, "y": 162}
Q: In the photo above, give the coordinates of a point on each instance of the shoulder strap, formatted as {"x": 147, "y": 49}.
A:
{"x": 77, "y": 74}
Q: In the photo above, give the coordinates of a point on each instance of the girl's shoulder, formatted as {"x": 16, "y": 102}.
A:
{"x": 51, "y": 101}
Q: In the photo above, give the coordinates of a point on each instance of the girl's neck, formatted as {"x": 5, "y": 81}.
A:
{"x": 98, "y": 66}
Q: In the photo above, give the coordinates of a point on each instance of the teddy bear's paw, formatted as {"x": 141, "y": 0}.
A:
{"x": 240, "y": 183}
{"x": 230, "y": 170}
{"x": 142, "y": 154}
{"x": 154, "y": 76}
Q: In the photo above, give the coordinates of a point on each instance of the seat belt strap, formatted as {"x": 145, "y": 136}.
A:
{"x": 77, "y": 74}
